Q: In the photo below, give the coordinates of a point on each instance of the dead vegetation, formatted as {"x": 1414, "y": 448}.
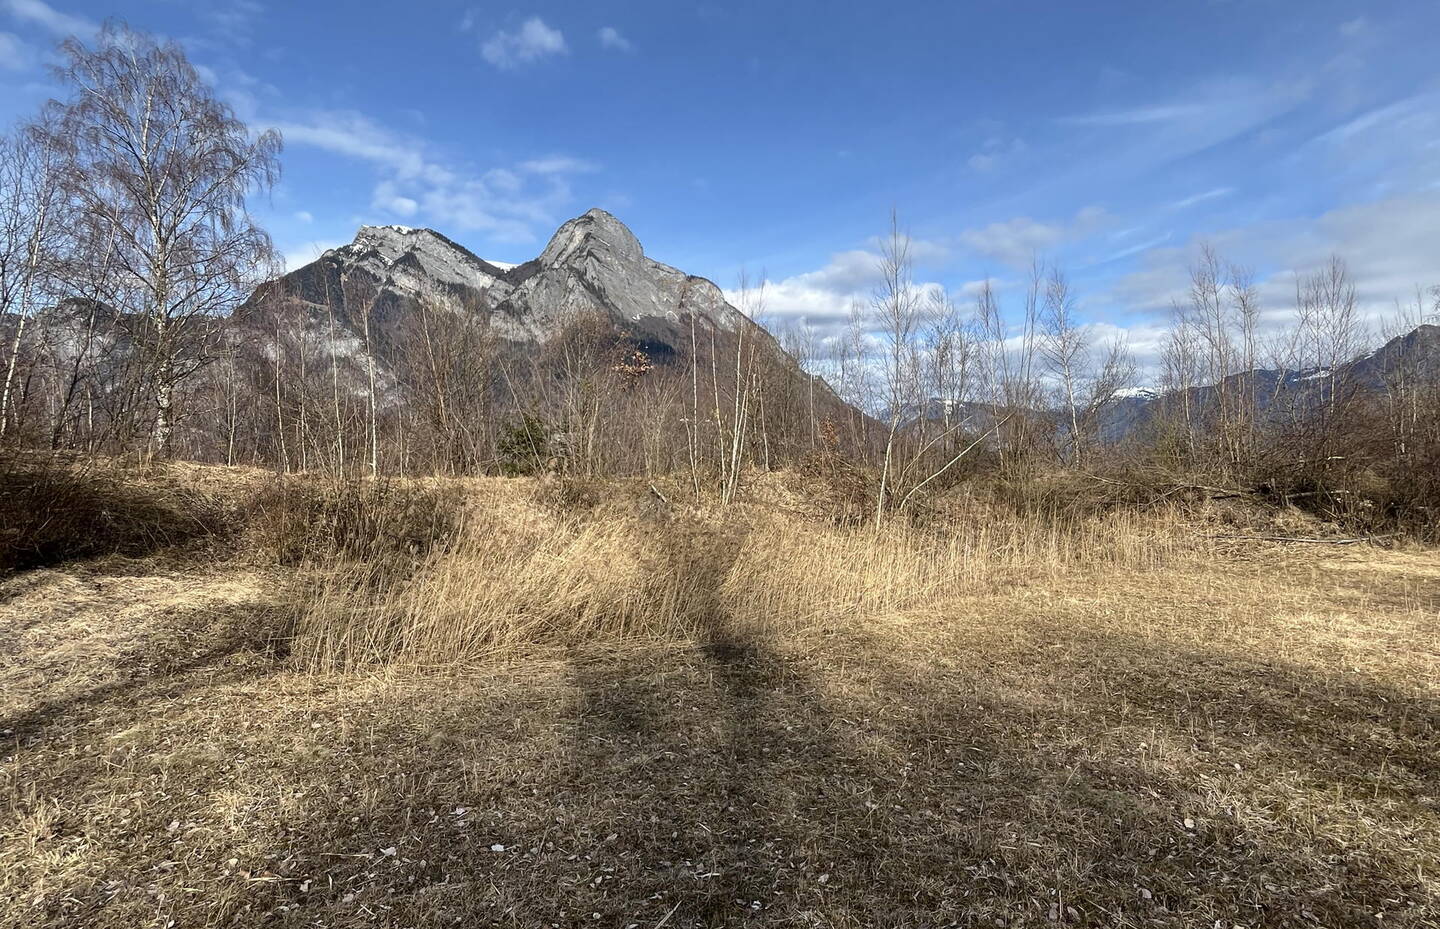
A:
{"x": 54, "y": 510}
{"x": 585, "y": 708}
{"x": 511, "y": 569}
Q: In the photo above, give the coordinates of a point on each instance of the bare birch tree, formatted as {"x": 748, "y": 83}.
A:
{"x": 156, "y": 165}
{"x": 1065, "y": 346}
{"x": 29, "y": 222}
{"x": 896, "y": 307}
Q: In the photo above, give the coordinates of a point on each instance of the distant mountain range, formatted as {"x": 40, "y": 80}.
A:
{"x": 1415, "y": 355}
{"x": 592, "y": 268}
{"x": 592, "y": 265}
{"x": 1135, "y": 410}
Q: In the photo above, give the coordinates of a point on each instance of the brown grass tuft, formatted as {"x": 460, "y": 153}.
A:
{"x": 518, "y": 573}
{"x": 54, "y": 510}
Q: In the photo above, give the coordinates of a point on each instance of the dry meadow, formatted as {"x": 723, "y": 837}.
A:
{"x": 531, "y": 705}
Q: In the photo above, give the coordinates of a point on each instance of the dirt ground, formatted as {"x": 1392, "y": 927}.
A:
{"x": 1253, "y": 741}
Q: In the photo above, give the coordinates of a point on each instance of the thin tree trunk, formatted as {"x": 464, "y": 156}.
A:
{"x": 27, "y": 290}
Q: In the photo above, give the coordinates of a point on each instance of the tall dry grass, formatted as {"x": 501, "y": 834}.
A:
{"x": 56, "y": 508}
{"x": 516, "y": 573}
{"x": 792, "y": 575}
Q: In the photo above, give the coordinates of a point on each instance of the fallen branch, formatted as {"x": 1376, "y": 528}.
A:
{"x": 1288, "y": 538}
{"x": 996, "y": 428}
{"x": 1216, "y": 493}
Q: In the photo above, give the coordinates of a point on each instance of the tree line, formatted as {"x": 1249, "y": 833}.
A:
{"x": 126, "y": 247}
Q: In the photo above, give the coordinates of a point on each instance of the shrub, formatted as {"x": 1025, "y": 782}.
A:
{"x": 842, "y": 489}
{"x": 294, "y": 521}
{"x": 52, "y": 510}
{"x": 524, "y": 446}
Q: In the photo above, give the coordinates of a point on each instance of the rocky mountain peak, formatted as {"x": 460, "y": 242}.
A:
{"x": 415, "y": 257}
{"x": 594, "y": 235}
{"x": 593, "y": 265}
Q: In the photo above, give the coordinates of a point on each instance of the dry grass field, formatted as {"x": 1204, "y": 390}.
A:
{"x": 638, "y": 716}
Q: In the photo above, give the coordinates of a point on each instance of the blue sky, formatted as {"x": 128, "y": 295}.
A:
{"x": 1109, "y": 137}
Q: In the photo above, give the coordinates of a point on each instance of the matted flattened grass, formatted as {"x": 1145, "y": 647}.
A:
{"x": 1245, "y": 741}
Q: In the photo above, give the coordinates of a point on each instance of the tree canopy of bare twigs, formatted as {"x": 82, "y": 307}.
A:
{"x": 158, "y": 172}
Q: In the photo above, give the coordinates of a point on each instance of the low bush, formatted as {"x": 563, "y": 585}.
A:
{"x": 54, "y": 510}
{"x": 294, "y": 521}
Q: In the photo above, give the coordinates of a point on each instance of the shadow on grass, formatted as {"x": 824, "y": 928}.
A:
{"x": 706, "y": 768}
{"x": 1337, "y": 732}
{"x": 165, "y": 668}
{"x": 734, "y": 784}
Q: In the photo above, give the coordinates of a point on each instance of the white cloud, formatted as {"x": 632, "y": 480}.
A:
{"x": 1193, "y": 199}
{"x": 1388, "y": 246}
{"x": 824, "y": 298}
{"x": 297, "y": 256}
{"x": 995, "y": 151}
{"x": 352, "y": 134}
{"x": 559, "y": 164}
{"x": 14, "y": 54}
{"x": 849, "y": 272}
{"x": 387, "y": 197}
{"x": 305, "y": 216}
{"x": 1017, "y": 242}
{"x": 506, "y": 202}
{"x": 233, "y": 21}
{"x": 610, "y": 37}
{"x": 39, "y": 13}
{"x": 1354, "y": 28}
{"x": 920, "y": 251}
{"x": 532, "y": 41}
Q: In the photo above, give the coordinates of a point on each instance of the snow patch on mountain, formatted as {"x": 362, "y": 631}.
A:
{"x": 415, "y": 258}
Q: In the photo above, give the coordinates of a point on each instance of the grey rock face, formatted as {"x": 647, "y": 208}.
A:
{"x": 593, "y": 264}
{"x": 416, "y": 258}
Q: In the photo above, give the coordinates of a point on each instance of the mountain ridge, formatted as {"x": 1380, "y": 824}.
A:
{"x": 592, "y": 263}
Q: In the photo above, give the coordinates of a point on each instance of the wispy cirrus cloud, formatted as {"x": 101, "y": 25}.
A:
{"x": 508, "y": 202}
{"x": 1209, "y": 115}
{"x": 1415, "y": 112}
{"x": 1213, "y": 194}
{"x": 41, "y": 14}
{"x": 1141, "y": 115}
{"x": 1137, "y": 248}
{"x": 1387, "y": 245}
{"x": 15, "y": 55}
